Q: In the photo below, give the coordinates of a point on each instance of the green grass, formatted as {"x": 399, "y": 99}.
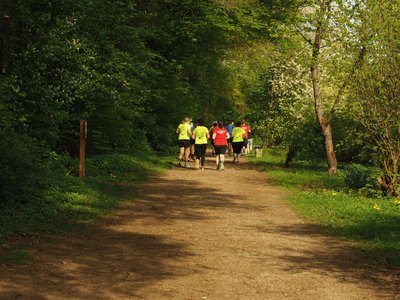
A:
{"x": 299, "y": 175}
{"x": 72, "y": 202}
{"x": 374, "y": 223}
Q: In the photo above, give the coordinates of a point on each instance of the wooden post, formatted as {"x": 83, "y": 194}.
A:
{"x": 83, "y": 130}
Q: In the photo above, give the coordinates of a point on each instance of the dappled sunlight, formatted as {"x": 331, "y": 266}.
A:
{"x": 192, "y": 234}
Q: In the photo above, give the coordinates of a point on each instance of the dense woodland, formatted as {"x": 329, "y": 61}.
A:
{"x": 319, "y": 78}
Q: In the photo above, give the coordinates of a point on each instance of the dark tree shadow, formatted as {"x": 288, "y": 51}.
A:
{"x": 103, "y": 259}
{"x": 340, "y": 259}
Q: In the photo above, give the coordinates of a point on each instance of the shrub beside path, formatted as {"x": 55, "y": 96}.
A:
{"x": 200, "y": 235}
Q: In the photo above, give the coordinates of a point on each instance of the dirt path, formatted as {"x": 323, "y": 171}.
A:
{"x": 199, "y": 235}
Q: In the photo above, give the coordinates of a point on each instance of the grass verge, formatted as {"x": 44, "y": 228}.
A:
{"x": 373, "y": 222}
{"x": 72, "y": 202}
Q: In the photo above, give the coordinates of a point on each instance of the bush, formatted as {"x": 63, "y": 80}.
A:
{"x": 22, "y": 173}
{"x": 306, "y": 143}
{"x": 356, "y": 176}
{"x": 363, "y": 179}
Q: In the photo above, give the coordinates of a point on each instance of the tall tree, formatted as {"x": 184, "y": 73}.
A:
{"x": 376, "y": 98}
{"x": 327, "y": 31}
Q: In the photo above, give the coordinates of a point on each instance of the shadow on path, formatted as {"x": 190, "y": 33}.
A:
{"x": 149, "y": 244}
{"x": 320, "y": 252}
{"x": 123, "y": 252}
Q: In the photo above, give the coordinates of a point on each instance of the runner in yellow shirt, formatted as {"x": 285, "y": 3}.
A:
{"x": 184, "y": 132}
{"x": 238, "y": 134}
{"x": 201, "y": 135}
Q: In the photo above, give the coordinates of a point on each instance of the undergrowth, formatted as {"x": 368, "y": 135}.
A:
{"x": 70, "y": 201}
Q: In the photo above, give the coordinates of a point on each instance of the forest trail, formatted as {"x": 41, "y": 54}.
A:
{"x": 199, "y": 235}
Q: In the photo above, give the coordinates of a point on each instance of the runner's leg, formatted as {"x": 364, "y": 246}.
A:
{"x": 198, "y": 156}
{"x": 203, "y": 155}
{"x": 187, "y": 153}
{"x": 221, "y": 161}
{"x": 181, "y": 153}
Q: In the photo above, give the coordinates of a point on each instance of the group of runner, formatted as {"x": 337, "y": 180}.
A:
{"x": 193, "y": 141}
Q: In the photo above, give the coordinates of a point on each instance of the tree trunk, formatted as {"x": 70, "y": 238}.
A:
{"x": 293, "y": 149}
{"x": 329, "y": 148}
{"x": 389, "y": 180}
{"x": 325, "y": 123}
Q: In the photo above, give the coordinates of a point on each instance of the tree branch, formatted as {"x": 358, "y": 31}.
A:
{"x": 308, "y": 41}
{"x": 345, "y": 83}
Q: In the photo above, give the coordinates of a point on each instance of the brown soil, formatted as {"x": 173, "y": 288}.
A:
{"x": 200, "y": 235}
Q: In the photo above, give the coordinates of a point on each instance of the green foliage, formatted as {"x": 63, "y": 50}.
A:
{"x": 300, "y": 174}
{"x": 306, "y": 142}
{"x": 375, "y": 102}
{"x": 364, "y": 179}
{"x": 353, "y": 144}
{"x": 69, "y": 201}
{"x": 356, "y": 176}
{"x": 22, "y": 171}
